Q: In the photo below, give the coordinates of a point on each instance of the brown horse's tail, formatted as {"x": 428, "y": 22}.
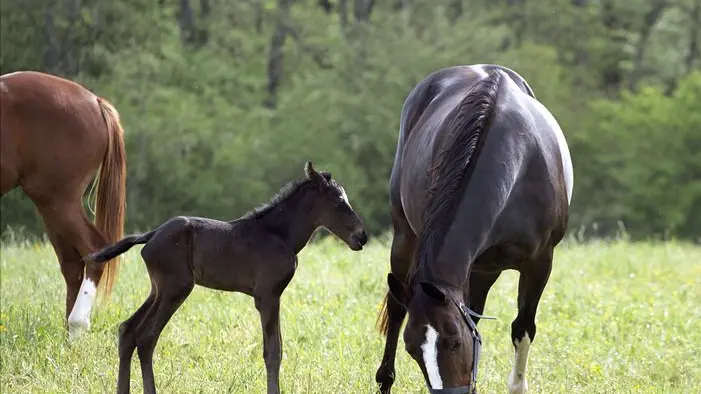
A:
{"x": 110, "y": 196}
{"x": 383, "y": 316}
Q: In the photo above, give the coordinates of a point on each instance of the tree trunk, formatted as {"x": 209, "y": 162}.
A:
{"x": 693, "y": 52}
{"x": 275, "y": 57}
{"x": 649, "y": 21}
{"x": 186, "y": 21}
{"x": 50, "y": 52}
{"x": 362, "y": 10}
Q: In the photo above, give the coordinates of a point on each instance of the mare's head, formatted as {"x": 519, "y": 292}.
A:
{"x": 333, "y": 211}
{"x": 438, "y": 336}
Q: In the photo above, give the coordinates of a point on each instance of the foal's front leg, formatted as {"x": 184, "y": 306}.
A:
{"x": 269, "y": 310}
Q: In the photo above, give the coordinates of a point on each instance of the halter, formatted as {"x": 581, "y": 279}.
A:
{"x": 476, "y": 346}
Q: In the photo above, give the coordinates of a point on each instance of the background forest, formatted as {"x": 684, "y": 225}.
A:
{"x": 223, "y": 101}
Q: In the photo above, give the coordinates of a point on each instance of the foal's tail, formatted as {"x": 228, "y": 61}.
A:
{"x": 121, "y": 246}
{"x": 110, "y": 204}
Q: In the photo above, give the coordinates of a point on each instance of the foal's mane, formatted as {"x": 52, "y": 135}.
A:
{"x": 285, "y": 194}
{"x": 455, "y": 163}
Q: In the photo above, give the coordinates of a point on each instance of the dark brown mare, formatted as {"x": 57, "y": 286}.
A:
{"x": 254, "y": 255}
{"x": 54, "y": 135}
{"x": 481, "y": 183}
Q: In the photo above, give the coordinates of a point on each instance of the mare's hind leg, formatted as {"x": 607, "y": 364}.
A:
{"x": 72, "y": 266}
{"x": 127, "y": 342}
{"x": 400, "y": 259}
{"x": 68, "y": 218}
{"x": 532, "y": 281}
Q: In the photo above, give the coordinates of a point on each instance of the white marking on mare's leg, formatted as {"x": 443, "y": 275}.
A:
{"x": 430, "y": 355}
{"x": 517, "y": 379}
{"x": 79, "y": 318}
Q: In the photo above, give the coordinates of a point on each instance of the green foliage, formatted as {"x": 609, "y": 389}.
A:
{"x": 614, "y": 318}
{"x": 650, "y": 142}
{"x": 201, "y": 141}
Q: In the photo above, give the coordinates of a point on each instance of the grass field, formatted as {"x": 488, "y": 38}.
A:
{"x": 614, "y": 318}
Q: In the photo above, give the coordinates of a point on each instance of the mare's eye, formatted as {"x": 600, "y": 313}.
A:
{"x": 453, "y": 344}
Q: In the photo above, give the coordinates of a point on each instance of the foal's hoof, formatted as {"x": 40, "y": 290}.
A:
{"x": 77, "y": 327}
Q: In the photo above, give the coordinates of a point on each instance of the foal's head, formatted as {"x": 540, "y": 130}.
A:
{"x": 332, "y": 210}
{"x": 438, "y": 336}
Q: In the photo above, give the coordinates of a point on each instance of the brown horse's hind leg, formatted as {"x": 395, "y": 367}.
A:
{"x": 72, "y": 266}
{"x": 69, "y": 220}
{"x": 534, "y": 276}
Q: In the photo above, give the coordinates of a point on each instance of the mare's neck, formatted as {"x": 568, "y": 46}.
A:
{"x": 292, "y": 221}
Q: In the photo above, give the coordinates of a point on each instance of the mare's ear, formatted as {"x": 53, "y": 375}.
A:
{"x": 434, "y": 292}
{"x": 397, "y": 289}
{"x": 326, "y": 175}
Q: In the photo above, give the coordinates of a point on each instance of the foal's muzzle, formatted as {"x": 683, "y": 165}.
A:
{"x": 359, "y": 240}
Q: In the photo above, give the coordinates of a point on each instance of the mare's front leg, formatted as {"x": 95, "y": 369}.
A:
{"x": 269, "y": 310}
{"x": 400, "y": 258}
{"x": 532, "y": 281}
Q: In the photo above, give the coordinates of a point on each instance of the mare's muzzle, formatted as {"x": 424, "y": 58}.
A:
{"x": 476, "y": 346}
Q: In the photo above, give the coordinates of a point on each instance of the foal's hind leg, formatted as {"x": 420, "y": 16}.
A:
{"x": 400, "y": 258}
{"x": 534, "y": 276}
{"x": 127, "y": 342}
{"x": 171, "y": 290}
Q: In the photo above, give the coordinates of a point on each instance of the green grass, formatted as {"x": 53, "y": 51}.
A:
{"x": 614, "y": 318}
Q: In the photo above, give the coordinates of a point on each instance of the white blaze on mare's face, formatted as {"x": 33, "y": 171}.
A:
{"x": 430, "y": 356}
{"x": 517, "y": 379}
{"x": 80, "y": 315}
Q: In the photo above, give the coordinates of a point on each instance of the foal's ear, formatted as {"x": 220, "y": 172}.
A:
{"x": 326, "y": 175}
{"x": 312, "y": 174}
{"x": 434, "y": 292}
{"x": 397, "y": 289}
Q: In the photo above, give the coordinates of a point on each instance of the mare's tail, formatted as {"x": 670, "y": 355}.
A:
{"x": 111, "y": 251}
{"x": 110, "y": 196}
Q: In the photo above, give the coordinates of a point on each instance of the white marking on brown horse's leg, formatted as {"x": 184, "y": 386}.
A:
{"x": 517, "y": 379}
{"x": 79, "y": 319}
{"x": 430, "y": 356}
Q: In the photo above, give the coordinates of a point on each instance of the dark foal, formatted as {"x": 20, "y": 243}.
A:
{"x": 254, "y": 255}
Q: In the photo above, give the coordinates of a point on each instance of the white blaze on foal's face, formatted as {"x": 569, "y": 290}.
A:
{"x": 429, "y": 351}
{"x": 344, "y": 196}
{"x": 80, "y": 315}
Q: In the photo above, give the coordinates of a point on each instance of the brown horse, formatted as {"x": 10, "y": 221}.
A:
{"x": 54, "y": 135}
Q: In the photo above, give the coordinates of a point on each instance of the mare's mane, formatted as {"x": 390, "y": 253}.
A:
{"x": 467, "y": 126}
